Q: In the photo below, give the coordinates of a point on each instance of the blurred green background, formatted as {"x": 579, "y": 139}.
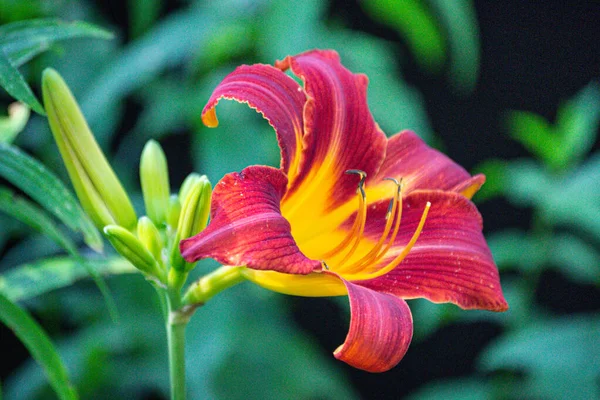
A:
{"x": 506, "y": 88}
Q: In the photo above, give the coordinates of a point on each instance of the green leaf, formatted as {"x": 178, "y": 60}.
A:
{"x": 142, "y": 14}
{"x": 40, "y": 184}
{"x": 13, "y": 82}
{"x": 577, "y": 124}
{"x": 30, "y": 214}
{"x": 460, "y": 22}
{"x": 415, "y": 22}
{"x": 560, "y": 358}
{"x": 561, "y": 145}
{"x": 142, "y": 61}
{"x": 23, "y": 40}
{"x": 29, "y": 280}
{"x": 533, "y": 132}
{"x": 39, "y": 345}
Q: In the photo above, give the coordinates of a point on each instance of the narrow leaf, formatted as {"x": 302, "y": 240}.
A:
{"x": 30, "y": 214}
{"x": 33, "y": 279}
{"x": 416, "y": 23}
{"x": 13, "y": 82}
{"x": 39, "y": 345}
{"x": 23, "y": 40}
{"x": 43, "y": 186}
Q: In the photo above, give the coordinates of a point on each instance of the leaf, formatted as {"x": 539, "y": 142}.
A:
{"x": 566, "y": 142}
{"x": 39, "y": 345}
{"x": 29, "y": 280}
{"x": 533, "y": 132}
{"x": 142, "y": 15}
{"x": 13, "y": 82}
{"x": 575, "y": 258}
{"x": 23, "y": 40}
{"x": 417, "y": 25}
{"x": 460, "y": 22}
{"x": 40, "y": 184}
{"x": 142, "y": 61}
{"x": 30, "y": 214}
{"x": 577, "y": 123}
{"x": 560, "y": 358}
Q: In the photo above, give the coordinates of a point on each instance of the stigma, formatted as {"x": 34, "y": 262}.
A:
{"x": 368, "y": 265}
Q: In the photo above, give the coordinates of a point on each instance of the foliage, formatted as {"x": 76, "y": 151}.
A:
{"x": 152, "y": 80}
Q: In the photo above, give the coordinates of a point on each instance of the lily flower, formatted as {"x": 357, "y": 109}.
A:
{"x": 350, "y": 212}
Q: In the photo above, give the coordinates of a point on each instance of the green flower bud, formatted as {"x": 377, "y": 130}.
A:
{"x": 189, "y": 181}
{"x": 174, "y": 211}
{"x": 134, "y": 251}
{"x": 193, "y": 218}
{"x": 150, "y": 237}
{"x": 154, "y": 175}
{"x": 99, "y": 190}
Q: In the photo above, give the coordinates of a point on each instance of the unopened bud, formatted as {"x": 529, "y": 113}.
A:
{"x": 187, "y": 184}
{"x": 130, "y": 247}
{"x": 193, "y": 218}
{"x": 173, "y": 211}
{"x": 154, "y": 176}
{"x": 99, "y": 190}
{"x": 150, "y": 237}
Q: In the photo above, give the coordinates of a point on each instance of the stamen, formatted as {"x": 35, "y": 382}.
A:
{"x": 324, "y": 265}
{"x": 374, "y": 253}
{"x": 361, "y": 216}
{"x": 402, "y": 254}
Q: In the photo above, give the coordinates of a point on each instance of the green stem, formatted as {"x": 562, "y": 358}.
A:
{"x": 209, "y": 285}
{"x": 175, "y": 324}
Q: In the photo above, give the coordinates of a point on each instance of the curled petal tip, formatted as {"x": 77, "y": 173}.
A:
{"x": 209, "y": 118}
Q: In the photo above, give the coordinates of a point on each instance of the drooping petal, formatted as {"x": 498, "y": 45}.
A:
{"x": 450, "y": 261}
{"x": 339, "y": 134}
{"x": 272, "y": 93}
{"x": 421, "y": 167}
{"x": 247, "y": 227}
{"x": 380, "y": 332}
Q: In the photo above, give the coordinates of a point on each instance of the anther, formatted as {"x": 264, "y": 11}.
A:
{"x": 361, "y": 183}
{"x": 324, "y": 265}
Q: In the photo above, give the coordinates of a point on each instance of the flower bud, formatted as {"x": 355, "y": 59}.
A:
{"x": 150, "y": 237}
{"x": 154, "y": 176}
{"x": 130, "y": 247}
{"x": 189, "y": 181}
{"x": 173, "y": 211}
{"x": 193, "y": 217}
{"x": 99, "y": 190}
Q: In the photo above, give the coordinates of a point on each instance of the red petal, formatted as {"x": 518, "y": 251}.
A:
{"x": 450, "y": 261}
{"x": 247, "y": 227}
{"x": 272, "y": 93}
{"x": 339, "y": 130}
{"x": 420, "y": 166}
{"x": 380, "y": 332}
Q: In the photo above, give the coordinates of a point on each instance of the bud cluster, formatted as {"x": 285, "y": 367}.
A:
{"x": 150, "y": 243}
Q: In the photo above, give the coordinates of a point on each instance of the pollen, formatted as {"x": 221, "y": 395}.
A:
{"x": 363, "y": 268}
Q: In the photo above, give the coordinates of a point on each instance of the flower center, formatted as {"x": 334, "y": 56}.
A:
{"x": 362, "y": 268}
